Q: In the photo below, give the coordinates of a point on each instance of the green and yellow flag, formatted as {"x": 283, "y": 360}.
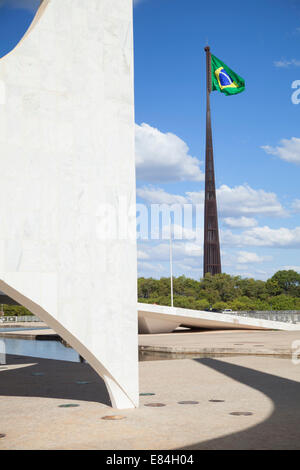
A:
{"x": 224, "y": 79}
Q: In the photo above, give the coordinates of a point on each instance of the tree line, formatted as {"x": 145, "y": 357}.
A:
{"x": 219, "y": 292}
{"x": 223, "y": 291}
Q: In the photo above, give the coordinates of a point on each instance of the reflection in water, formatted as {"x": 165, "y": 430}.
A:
{"x": 43, "y": 349}
{"x": 11, "y": 329}
{"x": 57, "y": 350}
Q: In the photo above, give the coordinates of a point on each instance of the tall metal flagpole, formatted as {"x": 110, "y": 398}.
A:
{"x": 171, "y": 262}
{"x": 212, "y": 255}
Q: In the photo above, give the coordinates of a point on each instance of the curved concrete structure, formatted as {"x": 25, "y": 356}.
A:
{"x": 67, "y": 155}
{"x": 160, "y": 319}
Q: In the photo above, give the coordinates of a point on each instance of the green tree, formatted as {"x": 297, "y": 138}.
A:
{"x": 288, "y": 282}
{"x": 280, "y": 292}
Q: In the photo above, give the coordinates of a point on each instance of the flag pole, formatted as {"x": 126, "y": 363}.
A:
{"x": 171, "y": 262}
{"x": 212, "y": 254}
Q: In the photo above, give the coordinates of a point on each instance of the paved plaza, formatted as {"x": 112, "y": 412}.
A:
{"x": 265, "y": 390}
{"x": 249, "y": 342}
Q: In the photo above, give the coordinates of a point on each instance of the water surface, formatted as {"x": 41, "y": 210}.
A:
{"x": 43, "y": 349}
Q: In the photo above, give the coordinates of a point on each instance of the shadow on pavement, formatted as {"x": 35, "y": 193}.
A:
{"x": 58, "y": 380}
{"x": 280, "y": 431}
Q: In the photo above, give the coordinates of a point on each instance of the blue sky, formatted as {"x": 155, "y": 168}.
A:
{"x": 259, "y": 40}
{"x": 256, "y": 133}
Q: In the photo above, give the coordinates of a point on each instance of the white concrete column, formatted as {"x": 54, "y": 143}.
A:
{"x": 67, "y": 160}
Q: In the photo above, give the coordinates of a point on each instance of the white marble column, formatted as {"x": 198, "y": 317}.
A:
{"x": 67, "y": 155}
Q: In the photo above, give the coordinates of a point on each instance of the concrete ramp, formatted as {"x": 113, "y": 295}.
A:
{"x": 161, "y": 319}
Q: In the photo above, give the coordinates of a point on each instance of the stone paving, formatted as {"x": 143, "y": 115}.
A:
{"x": 249, "y": 342}
{"x": 265, "y": 390}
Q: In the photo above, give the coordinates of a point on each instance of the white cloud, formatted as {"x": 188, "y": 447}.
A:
{"x": 235, "y": 204}
{"x": 296, "y": 205}
{"x": 142, "y": 254}
{"x": 196, "y": 197}
{"x": 284, "y": 63}
{"x": 238, "y": 222}
{"x": 188, "y": 255}
{"x": 264, "y": 236}
{"x": 179, "y": 232}
{"x": 181, "y": 250}
{"x": 244, "y": 200}
{"x": 288, "y": 150}
{"x": 161, "y": 251}
{"x": 241, "y": 202}
{"x": 159, "y": 196}
{"x": 193, "y": 249}
{"x": 293, "y": 268}
{"x": 164, "y": 157}
{"x": 194, "y": 266}
{"x": 239, "y": 260}
{"x": 248, "y": 257}
{"x": 150, "y": 268}
{"x": 187, "y": 258}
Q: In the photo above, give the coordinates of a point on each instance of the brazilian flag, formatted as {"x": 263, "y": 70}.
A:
{"x": 224, "y": 79}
